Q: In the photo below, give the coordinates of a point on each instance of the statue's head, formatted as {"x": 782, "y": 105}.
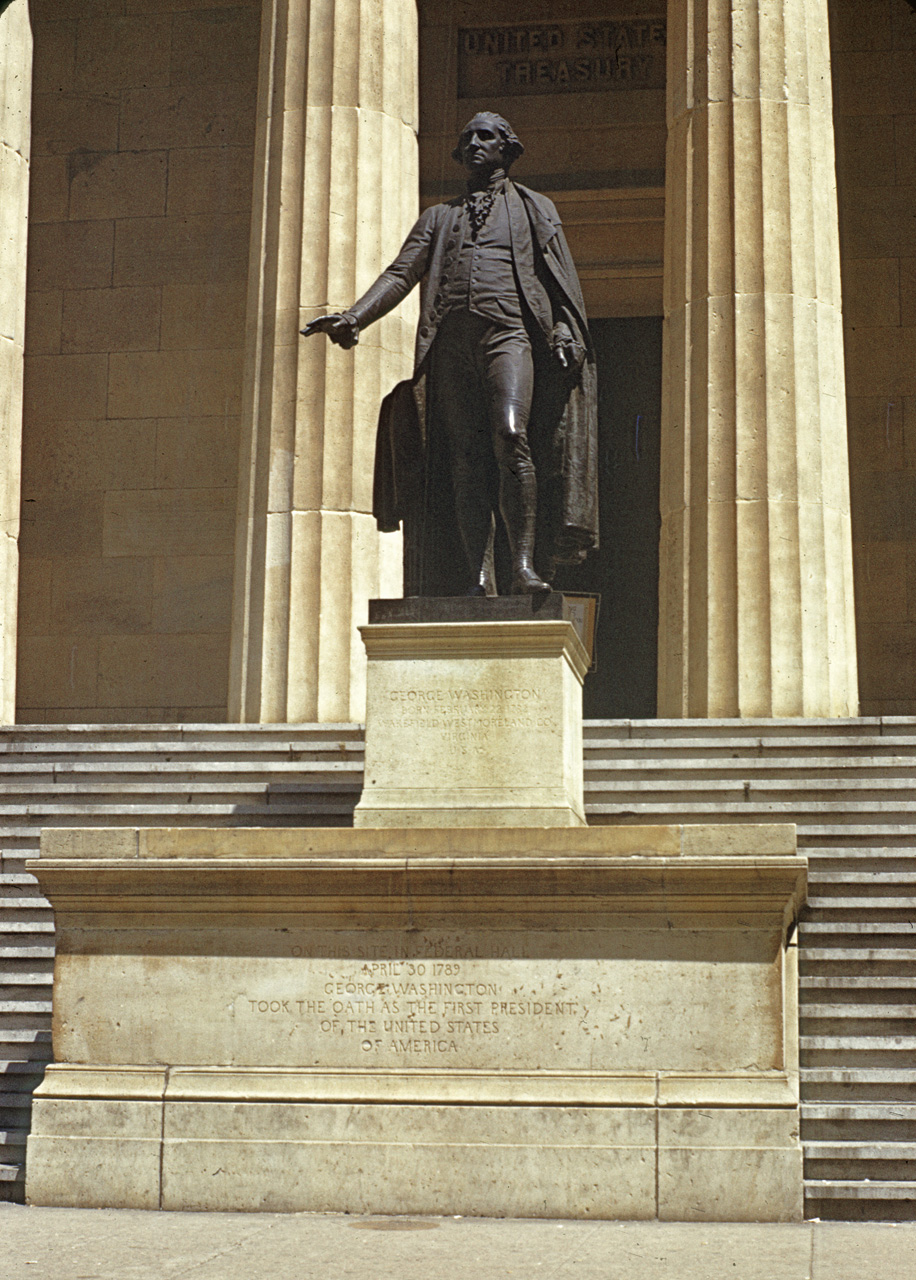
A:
{"x": 492, "y": 134}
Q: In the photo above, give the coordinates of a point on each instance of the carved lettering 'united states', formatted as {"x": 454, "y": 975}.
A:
{"x": 561, "y": 57}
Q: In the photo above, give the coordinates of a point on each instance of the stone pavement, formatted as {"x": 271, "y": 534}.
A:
{"x": 123, "y": 1244}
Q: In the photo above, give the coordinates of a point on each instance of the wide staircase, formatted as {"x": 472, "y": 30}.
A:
{"x": 849, "y": 785}
{"x": 133, "y": 775}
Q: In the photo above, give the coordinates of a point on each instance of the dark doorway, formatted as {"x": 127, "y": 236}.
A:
{"x": 625, "y": 567}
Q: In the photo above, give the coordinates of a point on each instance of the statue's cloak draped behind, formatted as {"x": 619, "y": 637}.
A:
{"x": 412, "y": 480}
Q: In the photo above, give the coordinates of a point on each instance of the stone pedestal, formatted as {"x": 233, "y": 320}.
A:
{"x": 581, "y": 1023}
{"x": 473, "y": 723}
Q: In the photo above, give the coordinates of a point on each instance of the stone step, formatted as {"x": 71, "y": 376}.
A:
{"x": 30, "y": 737}
{"x": 892, "y": 1043}
{"x": 678, "y": 790}
{"x": 12, "y": 1172}
{"x": 732, "y": 747}
{"x": 897, "y": 840}
{"x": 855, "y": 1151}
{"x": 843, "y": 816}
{"x": 69, "y": 790}
{"x": 858, "y": 885}
{"x": 789, "y": 769}
{"x": 33, "y": 774}
{"x": 854, "y": 862}
{"x": 885, "y": 1012}
{"x": 13, "y": 1144}
{"x": 14, "y": 1102}
{"x": 852, "y": 1051}
{"x": 36, "y": 1006}
{"x": 889, "y": 859}
{"x": 859, "y": 1077}
{"x": 827, "y": 906}
{"x": 856, "y": 928}
{"x": 836, "y": 1189}
{"x": 15, "y": 1067}
{"x": 171, "y": 814}
{"x": 243, "y": 749}
{"x": 889, "y": 1042}
{"x": 882, "y": 1111}
{"x": 904, "y": 982}
{"x": 868, "y": 728}
{"x": 856, "y": 955}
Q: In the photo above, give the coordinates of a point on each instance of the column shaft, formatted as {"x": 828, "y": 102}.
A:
{"x": 336, "y": 189}
{"x": 756, "y": 601}
{"x": 15, "y": 137}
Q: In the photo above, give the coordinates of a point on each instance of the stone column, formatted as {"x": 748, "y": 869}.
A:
{"x": 756, "y": 599}
{"x": 336, "y": 189}
{"x": 15, "y": 136}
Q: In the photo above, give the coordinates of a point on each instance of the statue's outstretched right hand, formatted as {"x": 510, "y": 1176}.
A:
{"x": 340, "y": 328}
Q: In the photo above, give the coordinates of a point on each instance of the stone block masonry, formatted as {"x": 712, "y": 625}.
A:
{"x": 534, "y": 1022}
{"x": 143, "y": 130}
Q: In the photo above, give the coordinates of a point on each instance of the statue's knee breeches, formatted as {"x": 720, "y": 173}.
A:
{"x": 511, "y": 447}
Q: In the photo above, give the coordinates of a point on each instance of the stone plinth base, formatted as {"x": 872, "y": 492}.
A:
{"x": 581, "y": 1023}
{"x": 474, "y": 723}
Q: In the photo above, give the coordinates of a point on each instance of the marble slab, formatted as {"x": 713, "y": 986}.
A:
{"x": 359, "y": 1020}
{"x": 473, "y": 724}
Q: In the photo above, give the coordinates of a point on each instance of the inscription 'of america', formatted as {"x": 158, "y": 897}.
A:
{"x": 561, "y": 57}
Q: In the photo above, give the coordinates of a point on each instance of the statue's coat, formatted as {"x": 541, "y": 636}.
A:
{"x": 563, "y": 427}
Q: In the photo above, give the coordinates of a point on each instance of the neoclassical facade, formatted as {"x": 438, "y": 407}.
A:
{"x": 187, "y": 495}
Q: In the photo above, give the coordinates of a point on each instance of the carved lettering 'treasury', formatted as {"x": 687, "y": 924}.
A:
{"x": 567, "y": 57}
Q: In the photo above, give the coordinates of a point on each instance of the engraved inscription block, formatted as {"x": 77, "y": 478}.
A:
{"x": 562, "y": 57}
{"x": 574, "y": 1023}
{"x": 473, "y": 724}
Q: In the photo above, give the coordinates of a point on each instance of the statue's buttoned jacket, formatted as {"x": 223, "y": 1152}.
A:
{"x": 565, "y": 405}
{"x": 430, "y": 253}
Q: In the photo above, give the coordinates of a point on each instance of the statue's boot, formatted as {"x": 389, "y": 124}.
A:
{"x": 475, "y": 525}
{"x": 526, "y": 582}
{"x": 518, "y": 504}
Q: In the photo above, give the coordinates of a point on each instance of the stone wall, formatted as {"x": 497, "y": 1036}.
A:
{"x": 143, "y": 129}
{"x": 874, "y": 73}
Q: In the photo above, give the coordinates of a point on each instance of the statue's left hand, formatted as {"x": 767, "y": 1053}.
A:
{"x": 568, "y": 351}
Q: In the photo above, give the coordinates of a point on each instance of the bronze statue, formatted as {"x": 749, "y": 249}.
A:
{"x": 495, "y": 436}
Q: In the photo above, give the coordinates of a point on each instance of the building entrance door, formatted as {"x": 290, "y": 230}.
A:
{"x": 624, "y": 570}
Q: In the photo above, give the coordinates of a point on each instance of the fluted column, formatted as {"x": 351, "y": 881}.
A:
{"x": 336, "y": 189}
{"x": 756, "y": 599}
{"x": 15, "y": 136}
